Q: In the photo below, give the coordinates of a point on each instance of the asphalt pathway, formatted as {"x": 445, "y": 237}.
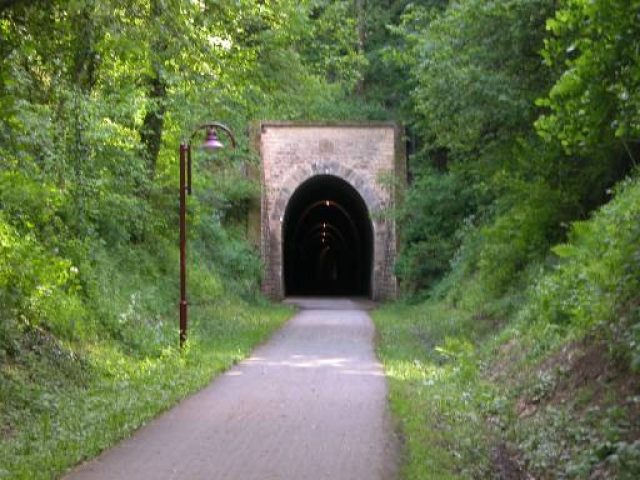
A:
{"x": 309, "y": 404}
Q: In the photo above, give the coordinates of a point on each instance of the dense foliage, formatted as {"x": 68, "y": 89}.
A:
{"x": 95, "y": 97}
{"x": 519, "y": 226}
{"x": 490, "y": 83}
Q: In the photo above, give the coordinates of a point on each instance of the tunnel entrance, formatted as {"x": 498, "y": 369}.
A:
{"x": 328, "y": 240}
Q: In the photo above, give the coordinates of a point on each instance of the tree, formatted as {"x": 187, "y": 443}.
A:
{"x": 596, "y": 100}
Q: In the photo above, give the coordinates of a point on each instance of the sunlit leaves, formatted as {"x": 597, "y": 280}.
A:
{"x": 596, "y": 99}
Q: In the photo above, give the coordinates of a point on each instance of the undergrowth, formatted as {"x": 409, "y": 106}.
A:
{"x": 72, "y": 385}
{"x": 540, "y": 380}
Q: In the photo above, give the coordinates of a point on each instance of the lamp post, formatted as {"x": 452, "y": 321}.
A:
{"x": 211, "y": 143}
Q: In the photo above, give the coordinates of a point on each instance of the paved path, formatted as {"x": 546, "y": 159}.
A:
{"x": 309, "y": 404}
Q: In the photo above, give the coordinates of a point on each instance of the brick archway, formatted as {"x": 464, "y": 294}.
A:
{"x": 359, "y": 154}
{"x": 303, "y": 172}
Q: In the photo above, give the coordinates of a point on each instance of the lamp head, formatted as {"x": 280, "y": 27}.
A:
{"x": 211, "y": 142}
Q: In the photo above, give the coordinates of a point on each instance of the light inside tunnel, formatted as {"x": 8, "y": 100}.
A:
{"x": 328, "y": 240}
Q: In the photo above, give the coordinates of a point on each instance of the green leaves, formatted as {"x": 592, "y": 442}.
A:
{"x": 596, "y": 99}
{"x": 37, "y": 288}
{"x": 476, "y": 71}
{"x": 598, "y": 269}
{"x": 431, "y": 214}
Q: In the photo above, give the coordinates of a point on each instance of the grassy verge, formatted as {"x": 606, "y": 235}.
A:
{"x": 475, "y": 401}
{"x": 435, "y": 389}
{"x": 53, "y": 421}
{"x": 539, "y": 381}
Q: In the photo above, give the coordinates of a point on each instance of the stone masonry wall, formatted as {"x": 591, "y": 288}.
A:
{"x": 366, "y": 155}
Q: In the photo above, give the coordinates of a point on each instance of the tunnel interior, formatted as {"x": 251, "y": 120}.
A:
{"x": 328, "y": 240}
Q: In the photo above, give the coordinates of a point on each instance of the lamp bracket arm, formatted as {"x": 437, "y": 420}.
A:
{"x": 215, "y": 125}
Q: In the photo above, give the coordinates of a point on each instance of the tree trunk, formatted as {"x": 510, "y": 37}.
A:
{"x": 153, "y": 124}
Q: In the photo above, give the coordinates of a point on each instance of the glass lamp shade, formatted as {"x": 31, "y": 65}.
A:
{"x": 212, "y": 142}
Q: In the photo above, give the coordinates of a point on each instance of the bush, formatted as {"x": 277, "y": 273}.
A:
{"x": 522, "y": 233}
{"x": 435, "y": 206}
{"x": 37, "y": 288}
{"x": 598, "y": 273}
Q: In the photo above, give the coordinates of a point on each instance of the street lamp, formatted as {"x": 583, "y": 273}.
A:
{"x": 212, "y": 143}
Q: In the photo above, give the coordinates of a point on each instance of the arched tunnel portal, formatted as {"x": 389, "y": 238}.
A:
{"x": 327, "y": 240}
{"x": 345, "y": 247}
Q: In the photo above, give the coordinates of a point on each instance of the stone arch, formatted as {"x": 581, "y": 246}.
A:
{"x": 302, "y": 173}
{"x": 357, "y": 153}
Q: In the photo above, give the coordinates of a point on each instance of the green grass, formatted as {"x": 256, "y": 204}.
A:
{"x": 59, "y": 409}
{"x": 560, "y": 401}
{"x": 435, "y": 389}
{"x": 544, "y": 377}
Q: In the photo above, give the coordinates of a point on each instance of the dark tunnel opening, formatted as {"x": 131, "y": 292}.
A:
{"x": 328, "y": 240}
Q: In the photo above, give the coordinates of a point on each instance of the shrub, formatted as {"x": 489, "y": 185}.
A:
{"x": 598, "y": 272}
{"x": 435, "y": 206}
{"x": 522, "y": 232}
{"x": 37, "y": 288}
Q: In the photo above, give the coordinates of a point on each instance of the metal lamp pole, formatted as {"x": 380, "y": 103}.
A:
{"x": 211, "y": 143}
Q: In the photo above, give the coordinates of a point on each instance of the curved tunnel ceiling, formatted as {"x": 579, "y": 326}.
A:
{"x": 328, "y": 240}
